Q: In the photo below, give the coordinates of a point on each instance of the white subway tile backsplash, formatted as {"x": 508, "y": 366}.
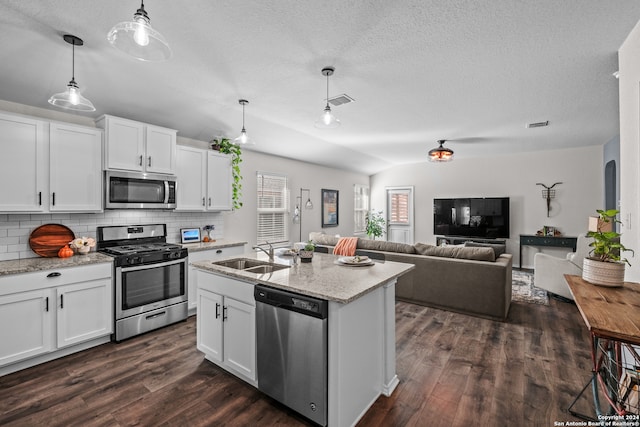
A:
{"x": 15, "y": 229}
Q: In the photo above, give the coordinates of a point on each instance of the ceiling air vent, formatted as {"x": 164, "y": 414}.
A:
{"x": 340, "y": 100}
{"x": 538, "y": 124}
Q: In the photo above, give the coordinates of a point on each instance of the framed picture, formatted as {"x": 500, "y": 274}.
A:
{"x": 329, "y": 208}
{"x": 548, "y": 231}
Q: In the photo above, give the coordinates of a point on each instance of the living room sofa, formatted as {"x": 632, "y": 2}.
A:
{"x": 446, "y": 278}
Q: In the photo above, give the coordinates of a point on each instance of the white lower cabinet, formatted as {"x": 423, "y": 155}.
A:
{"x": 226, "y": 331}
{"x": 205, "y": 255}
{"x": 46, "y": 313}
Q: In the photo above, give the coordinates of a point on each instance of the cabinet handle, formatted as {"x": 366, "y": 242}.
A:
{"x": 54, "y": 274}
{"x": 149, "y": 165}
{"x": 203, "y": 202}
{"x": 219, "y": 251}
{"x": 46, "y": 304}
{"x": 54, "y": 198}
{"x": 209, "y": 201}
{"x": 140, "y": 159}
{"x": 62, "y": 301}
{"x": 39, "y": 198}
{"x": 224, "y": 313}
{"x": 217, "y": 310}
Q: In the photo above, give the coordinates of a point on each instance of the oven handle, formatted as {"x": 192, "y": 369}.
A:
{"x": 155, "y": 265}
{"x": 153, "y": 316}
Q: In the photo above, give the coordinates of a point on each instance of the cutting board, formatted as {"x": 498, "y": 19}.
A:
{"x": 47, "y": 239}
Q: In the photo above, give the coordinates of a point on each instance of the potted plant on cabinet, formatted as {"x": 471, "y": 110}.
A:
{"x": 606, "y": 265}
{"x": 306, "y": 253}
{"x": 374, "y": 224}
{"x": 225, "y": 146}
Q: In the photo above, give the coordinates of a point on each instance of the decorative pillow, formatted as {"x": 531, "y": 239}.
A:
{"x": 381, "y": 245}
{"x": 498, "y": 248}
{"x": 477, "y": 254}
{"x": 325, "y": 239}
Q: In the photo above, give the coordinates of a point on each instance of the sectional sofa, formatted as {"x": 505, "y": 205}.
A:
{"x": 474, "y": 279}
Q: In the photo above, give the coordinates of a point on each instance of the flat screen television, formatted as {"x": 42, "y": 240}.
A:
{"x": 481, "y": 217}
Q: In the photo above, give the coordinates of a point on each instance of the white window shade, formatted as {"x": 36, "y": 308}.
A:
{"x": 360, "y": 207}
{"x": 273, "y": 208}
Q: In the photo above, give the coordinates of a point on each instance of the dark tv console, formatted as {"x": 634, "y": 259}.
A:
{"x": 451, "y": 240}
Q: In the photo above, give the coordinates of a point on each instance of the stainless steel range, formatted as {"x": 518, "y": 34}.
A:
{"x": 150, "y": 277}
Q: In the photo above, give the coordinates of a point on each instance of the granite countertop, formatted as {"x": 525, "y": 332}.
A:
{"x": 321, "y": 278}
{"x": 29, "y": 265}
{"x": 205, "y": 246}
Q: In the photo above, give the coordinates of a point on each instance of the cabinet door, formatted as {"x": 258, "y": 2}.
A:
{"x": 240, "y": 337}
{"x": 22, "y": 164}
{"x": 124, "y": 144}
{"x": 26, "y": 325}
{"x": 191, "y": 170}
{"x": 160, "y": 154}
{"x": 218, "y": 182}
{"x": 209, "y": 325}
{"x": 75, "y": 168}
{"x": 84, "y": 311}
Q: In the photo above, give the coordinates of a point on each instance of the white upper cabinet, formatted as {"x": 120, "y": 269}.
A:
{"x": 135, "y": 146}
{"x": 23, "y": 168}
{"x": 75, "y": 168}
{"x": 204, "y": 180}
{"x": 49, "y": 166}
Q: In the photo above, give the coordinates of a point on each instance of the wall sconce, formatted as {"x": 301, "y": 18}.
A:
{"x": 297, "y": 212}
{"x": 548, "y": 193}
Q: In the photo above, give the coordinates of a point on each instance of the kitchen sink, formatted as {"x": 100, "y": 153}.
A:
{"x": 251, "y": 265}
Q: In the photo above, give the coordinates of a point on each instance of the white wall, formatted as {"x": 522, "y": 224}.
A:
{"x": 629, "y": 67}
{"x": 242, "y": 224}
{"x": 514, "y": 176}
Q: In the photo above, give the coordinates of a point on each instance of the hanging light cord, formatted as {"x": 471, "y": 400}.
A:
{"x": 243, "y": 117}
{"x": 73, "y": 61}
{"x": 328, "y": 90}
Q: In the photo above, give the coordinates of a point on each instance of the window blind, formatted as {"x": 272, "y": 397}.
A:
{"x": 399, "y": 208}
{"x": 360, "y": 207}
{"x": 272, "y": 208}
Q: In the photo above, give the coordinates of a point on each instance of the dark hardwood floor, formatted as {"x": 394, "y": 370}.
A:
{"x": 455, "y": 370}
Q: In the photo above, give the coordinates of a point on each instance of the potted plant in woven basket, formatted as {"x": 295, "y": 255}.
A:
{"x": 605, "y": 265}
{"x": 306, "y": 253}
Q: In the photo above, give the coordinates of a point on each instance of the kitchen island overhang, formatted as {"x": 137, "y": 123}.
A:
{"x": 361, "y": 331}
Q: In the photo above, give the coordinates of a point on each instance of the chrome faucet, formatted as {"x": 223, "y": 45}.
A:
{"x": 270, "y": 252}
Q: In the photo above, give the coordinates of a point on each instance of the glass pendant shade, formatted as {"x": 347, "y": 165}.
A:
{"x": 441, "y": 154}
{"x": 138, "y": 39}
{"x": 72, "y": 99}
{"x": 296, "y": 215}
{"x": 243, "y": 139}
{"x": 308, "y": 205}
{"x": 327, "y": 120}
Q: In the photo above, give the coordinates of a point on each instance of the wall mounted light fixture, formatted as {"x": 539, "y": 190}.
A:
{"x": 548, "y": 194}
{"x": 327, "y": 120}
{"x": 72, "y": 99}
{"x": 138, "y": 39}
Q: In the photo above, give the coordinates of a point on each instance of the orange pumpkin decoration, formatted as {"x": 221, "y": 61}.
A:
{"x": 65, "y": 252}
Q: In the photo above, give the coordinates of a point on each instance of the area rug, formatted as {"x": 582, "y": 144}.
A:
{"x": 523, "y": 290}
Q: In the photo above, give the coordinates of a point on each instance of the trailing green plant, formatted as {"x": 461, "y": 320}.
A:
{"x": 225, "y": 146}
{"x": 606, "y": 246}
{"x": 374, "y": 224}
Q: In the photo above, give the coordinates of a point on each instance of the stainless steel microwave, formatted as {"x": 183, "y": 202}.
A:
{"x": 137, "y": 190}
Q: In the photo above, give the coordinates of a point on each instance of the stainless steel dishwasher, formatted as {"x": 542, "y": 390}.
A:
{"x": 292, "y": 350}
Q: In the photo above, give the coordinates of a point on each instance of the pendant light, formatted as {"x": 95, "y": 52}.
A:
{"x": 138, "y": 39}
{"x": 243, "y": 139}
{"x": 72, "y": 99}
{"x": 441, "y": 154}
{"x": 327, "y": 120}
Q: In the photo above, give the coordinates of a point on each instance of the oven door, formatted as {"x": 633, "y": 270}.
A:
{"x": 148, "y": 287}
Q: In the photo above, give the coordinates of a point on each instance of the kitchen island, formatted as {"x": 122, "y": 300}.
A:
{"x": 361, "y": 323}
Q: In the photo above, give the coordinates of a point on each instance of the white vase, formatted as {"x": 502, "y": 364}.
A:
{"x": 603, "y": 273}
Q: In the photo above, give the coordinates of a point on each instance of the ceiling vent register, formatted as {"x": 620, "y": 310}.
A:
{"x": 340, "y": 100}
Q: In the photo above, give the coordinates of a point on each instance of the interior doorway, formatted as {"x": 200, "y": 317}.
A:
{"x": 400, "y": 227}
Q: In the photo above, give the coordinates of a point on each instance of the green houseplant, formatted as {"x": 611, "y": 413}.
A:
{"x": 374, "y": 224}
{"x": 306, "y": 253}
{"x": 225, "y": 146}
{"x": 605, "y": 265}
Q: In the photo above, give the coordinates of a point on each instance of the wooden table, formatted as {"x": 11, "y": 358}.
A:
{"x": 613, "y": 318}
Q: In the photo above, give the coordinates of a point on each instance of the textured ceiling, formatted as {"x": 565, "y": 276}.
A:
{"x": 473, "y": 72}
